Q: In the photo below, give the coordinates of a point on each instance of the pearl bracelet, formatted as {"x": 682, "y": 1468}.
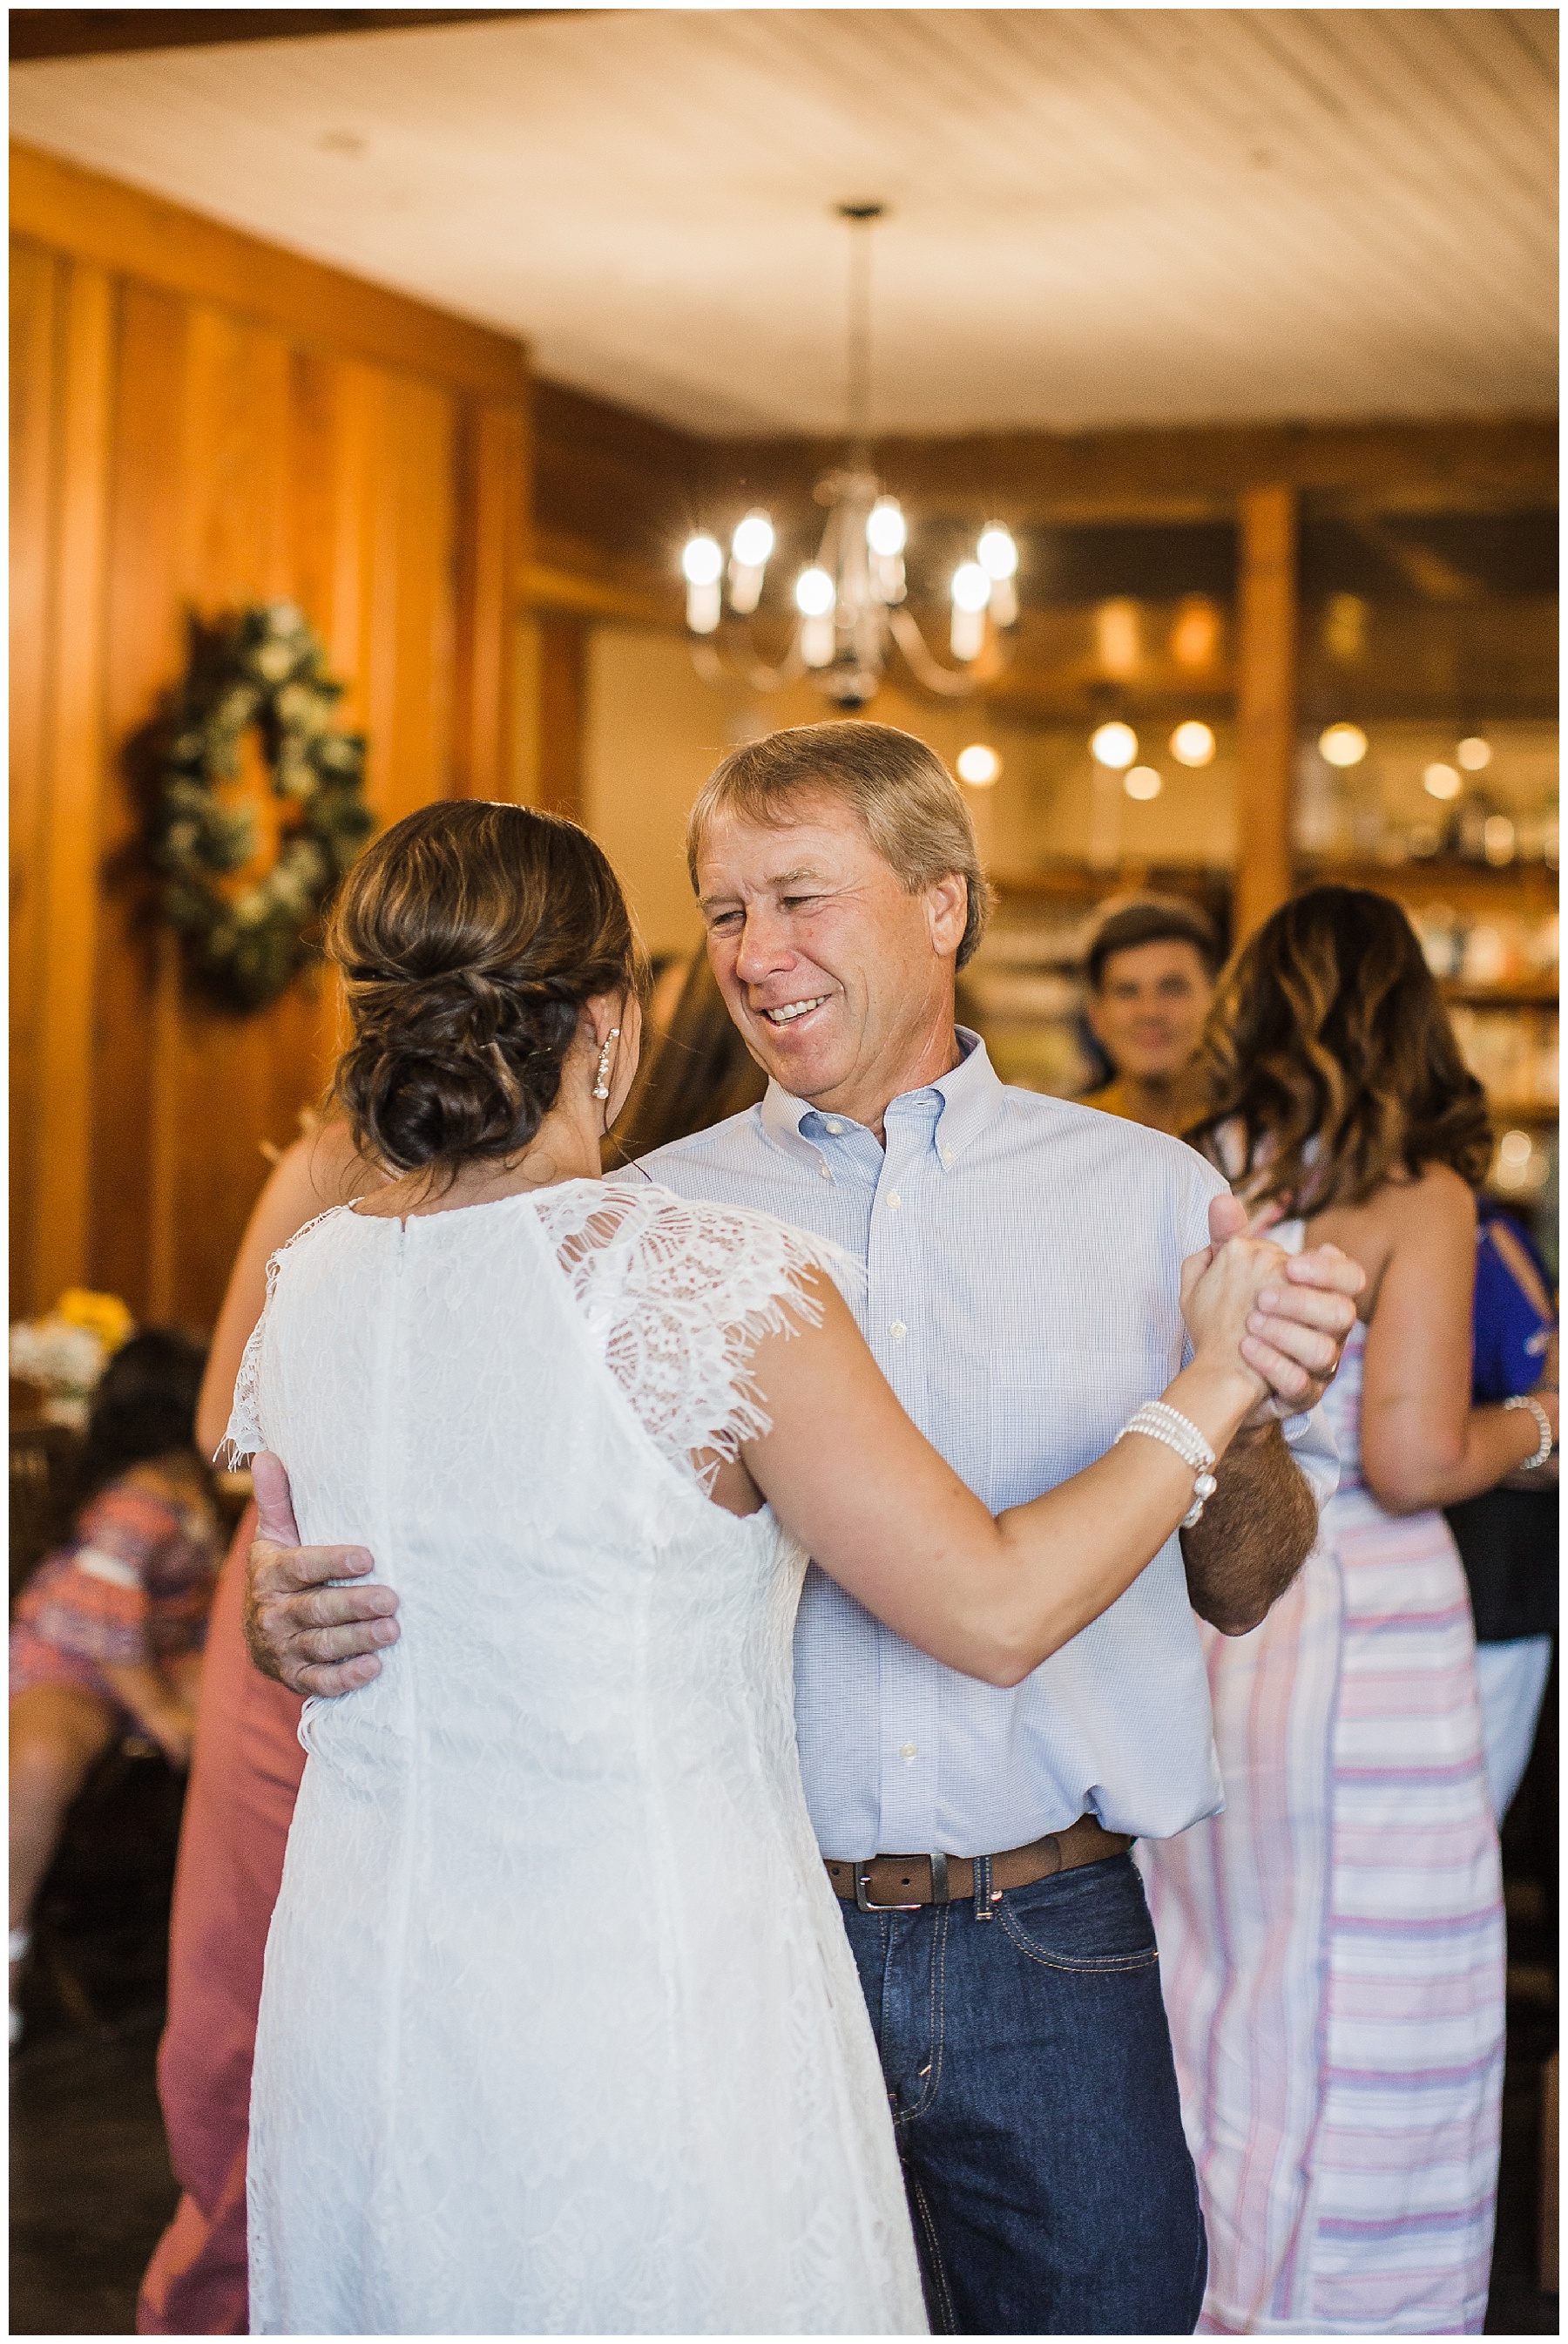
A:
{"x": 1528, "y": 1401}
{"x": 1157, "y": 1421}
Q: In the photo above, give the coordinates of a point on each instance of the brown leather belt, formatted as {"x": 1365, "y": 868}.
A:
{"x": 900, "y": 1884}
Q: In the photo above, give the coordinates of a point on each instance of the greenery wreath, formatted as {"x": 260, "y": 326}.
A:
{"x": 265, "y": 667}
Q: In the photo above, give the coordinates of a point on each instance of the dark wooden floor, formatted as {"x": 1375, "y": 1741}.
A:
{"x": 90, "y": 2183}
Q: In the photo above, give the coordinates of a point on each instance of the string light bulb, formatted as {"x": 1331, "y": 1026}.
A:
{"x": 1440, "y": 782}
{"x": 1114, "y": 745}
{"x": 1192, "y": 744}
{"x": 1474, "y": 753}
{"x": 1342, "y": 745}
{"x": 978, "y": 765}
{"x": 1142, "y": 782}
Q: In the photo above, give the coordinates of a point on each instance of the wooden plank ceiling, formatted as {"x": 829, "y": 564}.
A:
{"x": 1097, "y": 218}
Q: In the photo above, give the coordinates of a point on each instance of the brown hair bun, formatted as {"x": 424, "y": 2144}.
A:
{"x": 469, "y": 936}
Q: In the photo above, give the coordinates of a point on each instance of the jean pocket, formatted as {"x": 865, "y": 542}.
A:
{"x": 1094, "y": 1920}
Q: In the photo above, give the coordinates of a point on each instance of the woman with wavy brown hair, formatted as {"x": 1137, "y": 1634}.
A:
{"x": 1332, "y": 1945}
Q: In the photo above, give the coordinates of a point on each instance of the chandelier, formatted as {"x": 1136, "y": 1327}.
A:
{"x": 850, "y": 606}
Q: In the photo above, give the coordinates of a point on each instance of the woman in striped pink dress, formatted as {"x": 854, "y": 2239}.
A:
{"x": 1332, "y": 1943}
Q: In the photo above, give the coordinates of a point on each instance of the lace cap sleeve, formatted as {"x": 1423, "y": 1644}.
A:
{"x": 246, "y": 1432}
{"x": 680, "y": 1295}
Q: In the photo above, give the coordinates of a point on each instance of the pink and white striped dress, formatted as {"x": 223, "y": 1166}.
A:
{"x": 1331, "y": 1945}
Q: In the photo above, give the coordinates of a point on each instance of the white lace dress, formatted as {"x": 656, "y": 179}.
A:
{"x": 560, "y": 2030}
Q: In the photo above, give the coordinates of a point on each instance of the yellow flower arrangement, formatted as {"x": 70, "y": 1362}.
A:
{"x": 103, "y": 1315}
{"x": 65, "y": 1353}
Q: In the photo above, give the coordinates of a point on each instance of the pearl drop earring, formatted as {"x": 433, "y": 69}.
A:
{"x": 601, "y": 1088}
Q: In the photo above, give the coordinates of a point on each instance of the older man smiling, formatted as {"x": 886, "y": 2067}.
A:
{"x": 1022, "y": 1259}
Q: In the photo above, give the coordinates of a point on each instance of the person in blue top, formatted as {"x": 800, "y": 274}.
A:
{"x": 1507, "y": 1538}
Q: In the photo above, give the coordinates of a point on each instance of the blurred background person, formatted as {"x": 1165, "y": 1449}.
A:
{"x": 1151, "y": 966}
{"x": 1508, "y": 1537}
{"x": 245, "y": 1774}
{"x": 1332, "y": 1943}
{"x": 107, "y": 1634}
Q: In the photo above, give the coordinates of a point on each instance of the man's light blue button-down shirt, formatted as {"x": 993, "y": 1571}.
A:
{"x": 1022, "y": 1258}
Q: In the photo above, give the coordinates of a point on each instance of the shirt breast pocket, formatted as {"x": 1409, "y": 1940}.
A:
{"x": 1050, "y": 1412}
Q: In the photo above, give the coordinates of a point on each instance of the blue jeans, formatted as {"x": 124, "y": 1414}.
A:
{"x": 1029, "y": 2067}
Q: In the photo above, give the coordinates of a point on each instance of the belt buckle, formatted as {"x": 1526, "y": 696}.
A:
{"x": 863, "y": 1904}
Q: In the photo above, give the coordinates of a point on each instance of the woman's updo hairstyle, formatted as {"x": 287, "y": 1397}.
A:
{"x": 469, "y": 937}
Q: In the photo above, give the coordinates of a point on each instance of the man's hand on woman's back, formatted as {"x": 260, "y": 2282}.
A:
{"x": 312, "y": 1635}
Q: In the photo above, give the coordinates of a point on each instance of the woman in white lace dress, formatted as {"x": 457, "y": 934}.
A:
{"x": 560, "y": 2030}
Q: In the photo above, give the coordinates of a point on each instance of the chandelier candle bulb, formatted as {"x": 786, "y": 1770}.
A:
{"x": 702, "y": 564}
{"x": 1441, "y": 781}
{"x": 752, "y": 543}
{"x": 748, "y": 550}
{"x": 971, "y": 586}
{"x": 997, "y": 553}
{"x": 818, "y": 639}
{"x": 1142, "y": 782}
{"x": 886, "y": 531}
{"x": 1115, "y": 745}
{"x": 703, "y": 608}
{"x": 1474, "y": 753}
{"x": 815, "y": 593}
{"x": 968, "y": 634}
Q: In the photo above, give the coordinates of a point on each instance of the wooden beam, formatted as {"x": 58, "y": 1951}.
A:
{"x": 70, "y": 791}
{"x": 562, "y": 714}
{"x": 625, "y": 485}
{"x": 1490, "y": 462}
{"x": 128, "y": 233}
{"x": 1265, "y": 704}
{"x": 38, "y": 33}
{"x": 493, "y": 511}
{"x": 570, "y": 576}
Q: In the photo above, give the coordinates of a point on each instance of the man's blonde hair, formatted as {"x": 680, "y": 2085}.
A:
{"x": 901, "y": 791}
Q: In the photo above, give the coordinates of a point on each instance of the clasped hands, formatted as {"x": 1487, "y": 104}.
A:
{"x": 1301, "y": 1322}
{"x": 321, "y": 1638}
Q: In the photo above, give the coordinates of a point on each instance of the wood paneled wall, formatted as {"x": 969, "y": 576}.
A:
{"x": 199, "y": 420}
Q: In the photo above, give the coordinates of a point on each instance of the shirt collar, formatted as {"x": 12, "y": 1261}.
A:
{"x": 970, "y": 1095}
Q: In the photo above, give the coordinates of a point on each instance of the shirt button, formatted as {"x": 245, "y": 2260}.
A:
{"x": 947, "y": 1155}
{"x": 894, "y": 1200}
{"x": 834, "y": 1127}
{"x": 898, "y": 1331}
{"x": 826, "y": 1174}
{"x": 907, "y": 1750}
